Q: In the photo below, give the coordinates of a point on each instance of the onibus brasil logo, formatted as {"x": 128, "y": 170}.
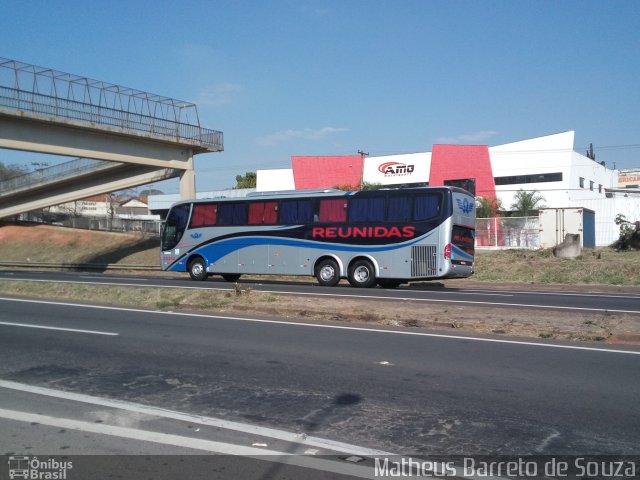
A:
{"x": 22, "y": 466}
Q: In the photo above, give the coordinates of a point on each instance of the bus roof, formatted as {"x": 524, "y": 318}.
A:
{"x": 315, "y": 193}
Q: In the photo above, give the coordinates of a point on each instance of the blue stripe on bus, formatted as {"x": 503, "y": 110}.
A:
{"x": 217, "y": 250}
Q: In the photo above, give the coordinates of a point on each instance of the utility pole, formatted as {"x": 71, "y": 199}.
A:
{"x": 362, "y": 154}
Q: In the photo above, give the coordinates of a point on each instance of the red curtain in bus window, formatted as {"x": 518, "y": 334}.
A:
{"x": 270, "y": 213}
{"x": 263, "y": 213}
{"x": 332, "y": 210}
{"x": 204, "y": 214}
{"x": 256, "y": 211}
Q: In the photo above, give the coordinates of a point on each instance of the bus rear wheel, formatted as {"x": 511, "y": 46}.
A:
{"x": 231, "y": 277}
{"x": 328, "y": 272}
{"x": 197, "y": 269}
{"x": 362, "y": 274}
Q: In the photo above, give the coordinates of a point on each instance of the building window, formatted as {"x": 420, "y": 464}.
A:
{"x": 468, "y": 184}
{"x": 581, "y": 182}
{"x": 536, "y": 178}
{"x": 591, "y": 185}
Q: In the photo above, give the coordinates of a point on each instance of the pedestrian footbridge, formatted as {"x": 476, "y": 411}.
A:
{"x": 121, "y": 137}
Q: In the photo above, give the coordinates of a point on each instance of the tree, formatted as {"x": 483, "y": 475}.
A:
{"x": 347, "y": 187}
{"x": 10, "y": 171}
{"x": 248, "y": 180}
{"x": 629, "y": 234}
{"x": 151, "y": 191}
{"x": 527, "y": 203}
{"x": 368, "y": 186}
{"x": 487, "y": 207}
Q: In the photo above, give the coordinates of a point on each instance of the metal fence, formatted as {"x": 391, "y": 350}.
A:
{"x": 508, "y": 232}
{"x": 106, "y": 224}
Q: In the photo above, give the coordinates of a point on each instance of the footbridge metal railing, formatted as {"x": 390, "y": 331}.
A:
{"x": 43, "y": 93}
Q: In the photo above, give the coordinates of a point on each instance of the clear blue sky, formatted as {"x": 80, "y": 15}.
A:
{"x": 329, "y": 77}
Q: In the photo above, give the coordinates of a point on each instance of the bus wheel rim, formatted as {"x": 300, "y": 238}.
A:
{"x": 327, "y": 272}
{"x": 361, "y": 274}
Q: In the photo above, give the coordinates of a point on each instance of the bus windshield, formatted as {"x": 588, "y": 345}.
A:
{"x": 174, "y": 226}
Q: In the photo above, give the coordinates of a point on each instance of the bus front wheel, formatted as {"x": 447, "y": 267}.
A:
{"x": 362, "y": 274}
{"x": 328, "y": 272}
{"x": 197, "y": 269}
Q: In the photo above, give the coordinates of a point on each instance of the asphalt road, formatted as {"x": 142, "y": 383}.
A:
{"x": 561, "y": 299}
{"x": 406, "y": 392}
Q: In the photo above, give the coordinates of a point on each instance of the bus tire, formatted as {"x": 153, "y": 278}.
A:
{"x": 328, "y": 272}
{"x": 389, "y": 283}
{"x": 362, "y": 274}
{"x": 197, "y": 269}
{"x": 230, "y": 277}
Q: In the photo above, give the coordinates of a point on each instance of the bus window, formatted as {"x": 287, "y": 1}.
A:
{"x": 366, "y": 209}
{"x": 174, "y": 226}
{"x": 294, "y": 212}
{"x": 426, "y": 207}
{"x": 232, "y": 214}
{"x": 333, "y": 210}
{"x": 204, "y": 215}
{"x": 400, "y": 209}
{"x": 263, "y": 213}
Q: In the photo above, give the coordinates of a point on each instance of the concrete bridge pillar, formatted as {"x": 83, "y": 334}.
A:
{"x": 188, "y": 179}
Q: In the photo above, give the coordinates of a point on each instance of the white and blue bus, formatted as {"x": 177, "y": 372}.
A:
{"x": 384, "y": 237}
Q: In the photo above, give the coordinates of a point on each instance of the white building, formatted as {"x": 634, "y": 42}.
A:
{"x": 551, "y": 166}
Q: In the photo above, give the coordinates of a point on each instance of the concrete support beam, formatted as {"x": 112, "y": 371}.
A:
{"x": 29, "y": 135}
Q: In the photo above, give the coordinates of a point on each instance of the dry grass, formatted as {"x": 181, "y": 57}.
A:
{"x": 50, "y": 244}
{"x": 602, "y": 266}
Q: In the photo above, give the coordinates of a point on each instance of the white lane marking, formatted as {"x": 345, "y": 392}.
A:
{"x": 192, "y": 443}
{"x": 361, "y": 297}
{"x": 561, "y": 294}
{"x": 61, "y": 329}
{"x": 335, "y": 327}
{"x": 196, "y": 419}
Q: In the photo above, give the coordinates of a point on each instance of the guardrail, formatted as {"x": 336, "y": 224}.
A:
{"x": 80, "y": 266}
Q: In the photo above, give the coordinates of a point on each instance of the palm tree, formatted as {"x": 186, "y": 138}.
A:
{"x": 527, "y": 203}
{"x": 487, "y": 207}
